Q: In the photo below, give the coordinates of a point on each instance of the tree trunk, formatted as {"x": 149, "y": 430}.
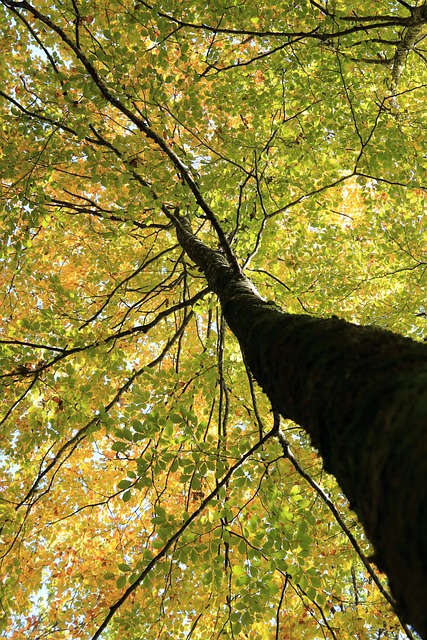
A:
{"x": 361, "y": 395}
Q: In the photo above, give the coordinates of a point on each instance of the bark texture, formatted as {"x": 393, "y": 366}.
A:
{"x": 413, "y": 34}
{"x": 361, "y": 394}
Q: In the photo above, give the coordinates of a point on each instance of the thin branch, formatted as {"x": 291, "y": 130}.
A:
{"x": 324, "y": 187}
{"x": 81, "y": 433}
{"x": 18, "y": 400}
{"x": 39, "y": 116}
{"x": 319, "y": 608}
{"x": 279, "y": 606}
{"x": 373, "y": 22}
{"x": 142, "y": 328}
{"x": 141, "y": 123}
{"x": 164, "y": 551}
{"x": 328, "y": 502}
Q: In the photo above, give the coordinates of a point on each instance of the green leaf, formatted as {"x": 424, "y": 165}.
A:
{"x": 119, "y": 446}
{"x": 158, "y": 543}
{"x": 109, "y": 575}
{"x": 121, "y": 582}
{"x": 138, "y": 426}
{"x": 124, "y": 484}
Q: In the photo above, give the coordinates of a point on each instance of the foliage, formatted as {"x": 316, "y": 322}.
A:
{"x": 142, "y": 489}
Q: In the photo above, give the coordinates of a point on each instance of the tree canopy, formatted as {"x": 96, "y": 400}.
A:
{"x": 145, "y": 492}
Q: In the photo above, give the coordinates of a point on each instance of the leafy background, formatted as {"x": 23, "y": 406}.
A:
{"x": 138, "y": 475}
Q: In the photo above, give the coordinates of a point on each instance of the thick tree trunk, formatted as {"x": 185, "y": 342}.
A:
{"x": 361, "y": 394}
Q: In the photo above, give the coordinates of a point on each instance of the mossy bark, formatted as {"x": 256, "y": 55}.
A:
{"x": 361, "y": 394}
